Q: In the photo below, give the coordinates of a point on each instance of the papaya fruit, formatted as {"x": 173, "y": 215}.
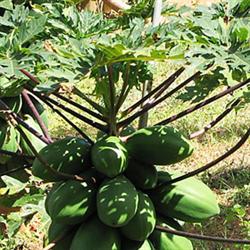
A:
{"x": 109, "y": 156}
{"x": 159, "y": 145}
{"x": 9, "y": 141}
{"x": 58, "y": 230}
{"x": 143, "y": 223}
{"x": 36, "y": 142}
{"x": 187, "y": 200}
{"x": 71, "y": 202}
{"x": 143, "y": 176}
{"x": 137, "y": 245}
{"x": 117, "y": 201}
{"x": 14, "y": 104}
{"x": 69, "y": 155}
{"x": 94, "y": 235}
{"x": 39, "y": 107}
{"x": 167, "y": 241}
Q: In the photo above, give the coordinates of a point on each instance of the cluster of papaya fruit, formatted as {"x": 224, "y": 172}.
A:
{"x": 123, "y": 196}
{"x": 10, "y": 139}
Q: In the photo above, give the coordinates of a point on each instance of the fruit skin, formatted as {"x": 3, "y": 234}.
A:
{"x": 159, "y": 145}
{"x": 167, "y": 241}
{"x": 71, "y": 202}
{"x": 143, "y": 223}
{"x": 61, "y": 231}
{"x": 69, "y": 155}
{"x": 14, "y": 104}
{"x": 109, "y": 156}
{"x": 117, "y": 201}
{"x": 93, "y": 235}
{"x": 36, "y": 142}
{"x": 137, "y": 245}
{"x": 188, "y": 200}
{"x": 144, "y": 176}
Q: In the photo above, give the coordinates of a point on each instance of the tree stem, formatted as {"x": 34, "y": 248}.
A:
{"x": 15, "y": 154}
{"x": 156, "y": 102}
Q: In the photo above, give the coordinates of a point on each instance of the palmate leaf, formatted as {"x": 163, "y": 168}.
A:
{"x": 6, "y": 4}
{"x": 31, "y": 28}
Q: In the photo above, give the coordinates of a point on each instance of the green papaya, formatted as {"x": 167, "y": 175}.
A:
{"x": 69, "y": 155}
{"x": 39, "y": 107}
{"x": 93, "y": 235}
{"x": 71, "y": 202}
{"x": 117, "y": 201}
{"x": 14, "y": 104}
{"x": 144, "y": 176}
{"x": 167, "y": 241}
{"x": 159, "y": 145}
{"x": 36, "y": 142}
{"x": 137, "y": 245}
{"x": 187, "y": 200}
{"x": 9, "y": 141}
{"x": 109, "y": 156}
{"x": 143, "y": 223}
{"x": 62, "y": 234}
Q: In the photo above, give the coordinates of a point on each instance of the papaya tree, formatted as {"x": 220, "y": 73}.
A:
{"x": 107, "y": 191}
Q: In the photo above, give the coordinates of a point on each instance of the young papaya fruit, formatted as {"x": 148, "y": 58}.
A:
{"x": 94, "y": 235}
{"x": 159, "y": 145}
{"x": 71, "y": 202}
{"x": 69, "y": 155}
{"x": 187, "y": 200}
{"x": 109, "y": 156}
{"x": 143, "y": 223}
{"x": 137, "y": 245}
{"x": 117, "y": 201}
{"x": 167, "y": 241}
{"x": 143, "y": 176}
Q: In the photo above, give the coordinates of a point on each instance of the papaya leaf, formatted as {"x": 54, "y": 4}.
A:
{"x": 13, "y": 186}
{"x": 6, "y": 4}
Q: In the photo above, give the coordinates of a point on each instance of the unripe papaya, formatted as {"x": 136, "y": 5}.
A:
{"x": 14, "y": 104}
{"x": 137, "y": 245}
{"x": 143, "y": 223}
{"x": 188, "y": 200}
{"x": 117, "y": 201}
{"x": 36, "y": 142}
{"x": 159, "y": 145}
{"x": 94, "y": 235}
{"x": 71, "y": 202}
{"x": 143, "y": 175}
{"x": 167, "y": 241}
{"x": 62, "y": 234}
{"x": 69, "y": 155}
{"x": 109, "y": 156}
